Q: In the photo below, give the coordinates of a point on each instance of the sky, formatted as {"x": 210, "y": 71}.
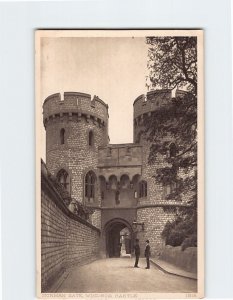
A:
{"x": 113, "y": 68}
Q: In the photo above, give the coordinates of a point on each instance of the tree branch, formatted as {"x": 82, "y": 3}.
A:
{"x": 186, "y": 150}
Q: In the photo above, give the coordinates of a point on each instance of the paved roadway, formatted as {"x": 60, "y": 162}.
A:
{"x": 117, "y": 275}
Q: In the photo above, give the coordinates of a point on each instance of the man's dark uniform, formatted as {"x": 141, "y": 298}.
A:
{"x": 137, "y": 254}
{"x": 147, "y": 255}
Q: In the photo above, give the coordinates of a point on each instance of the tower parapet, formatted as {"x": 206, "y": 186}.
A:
{"x": 149, "y": 102}
{"x": 75, "y": 103}
{"x": 153, "y": 100}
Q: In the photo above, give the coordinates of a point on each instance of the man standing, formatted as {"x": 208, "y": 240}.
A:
{"x": 147, "y": 254}
{"x": 137, "y": 253}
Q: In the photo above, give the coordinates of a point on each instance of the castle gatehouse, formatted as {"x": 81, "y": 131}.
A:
{"x": 113, "y": 182}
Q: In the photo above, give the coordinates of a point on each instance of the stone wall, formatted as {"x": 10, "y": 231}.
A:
{"x": 109, "y": 214}
{"x": 120, "y": 155}
{"x": 66, "y": 239}
{"x": 155, "y": 190}
{"x": 154, "y": 219}
{"x": 186, "y": 259}
{"x": 96, "y": 218}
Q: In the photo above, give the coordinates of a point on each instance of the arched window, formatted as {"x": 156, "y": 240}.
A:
{"x": 143, "y": 189}
{"x": 172, "y": 150}
{"x": 91, "y": 138}
{"x": 113, "y": 184}
{"x": 117, "y": 197}
{"x": 102, "y": 184}
{"x": 63, "y": 179}
{"x": 125, "y": 182}
{"x": 169, "y": 189}
{"x": 62, "y": 136}
{"x": 135, "y": 185}
{"x": 90, "y": 181}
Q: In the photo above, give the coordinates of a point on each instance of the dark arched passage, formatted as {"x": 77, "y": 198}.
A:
{"x": 119, "y": 238}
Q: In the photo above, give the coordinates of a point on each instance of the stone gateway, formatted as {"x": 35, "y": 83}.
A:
{"x": 112, "y": 185}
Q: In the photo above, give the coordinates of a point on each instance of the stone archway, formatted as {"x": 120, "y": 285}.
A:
{"x": 114, "y": 238}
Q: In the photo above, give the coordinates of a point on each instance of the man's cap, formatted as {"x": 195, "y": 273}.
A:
{"x": 147, "y": 241}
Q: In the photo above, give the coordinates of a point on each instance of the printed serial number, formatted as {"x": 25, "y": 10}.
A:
{"x": 190, "y": 295}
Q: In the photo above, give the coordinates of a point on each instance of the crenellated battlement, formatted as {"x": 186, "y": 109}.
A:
{"x": 151, "y": 101}
{"x": 75, "y": 103}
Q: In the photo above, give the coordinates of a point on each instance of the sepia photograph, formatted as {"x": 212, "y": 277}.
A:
{"x": 119, "y": 163}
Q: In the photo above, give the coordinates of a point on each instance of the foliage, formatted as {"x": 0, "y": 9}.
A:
{"x": 190, "y": 241}
{"x": 181, "y": 231}
{"x": 173, "y": 62}
{"x": 173, "y": 65}
{"x": 79, "y": 208}
{"x": 61, "y": 190}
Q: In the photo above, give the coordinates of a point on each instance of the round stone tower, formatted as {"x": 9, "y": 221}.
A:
{"x": 152, "y": 210}
{"x": 75, "y": 127}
